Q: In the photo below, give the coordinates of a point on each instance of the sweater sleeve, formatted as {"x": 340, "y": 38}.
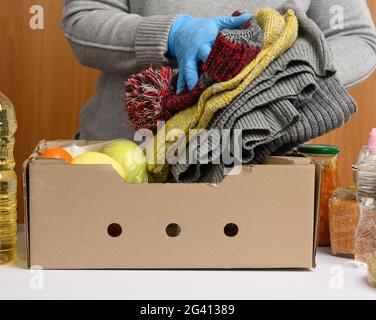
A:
{"x": 105, "y": 35}
{"x": 354, "y": 43}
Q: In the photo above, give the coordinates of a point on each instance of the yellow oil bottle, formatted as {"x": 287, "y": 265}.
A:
{"x": 8, "y": 183}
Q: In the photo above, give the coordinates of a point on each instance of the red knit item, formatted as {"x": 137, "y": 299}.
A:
{"x": 151, "y": 95}
{"x": 145, "y": 93}
{"x": 227, "y": 59}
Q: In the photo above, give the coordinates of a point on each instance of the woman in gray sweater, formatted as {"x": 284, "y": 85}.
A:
{"x": 121, "y": 37}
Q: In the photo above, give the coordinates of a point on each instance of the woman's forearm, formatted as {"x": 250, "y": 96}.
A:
{"x": 353, "y": 43}
{"x": 354, "y": 67}
{"x": 104, "y": 35}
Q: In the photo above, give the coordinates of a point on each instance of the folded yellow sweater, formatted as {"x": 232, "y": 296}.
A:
{"x": 280, "y": 33}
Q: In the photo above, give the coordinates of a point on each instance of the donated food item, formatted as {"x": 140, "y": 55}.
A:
{"x": 372, "y": 269}
{"x": 365, "y": 238}
{"x": 326, "y": 157}
{"x": 151, "y": 95}
{"x": 8, "y": 183}
{"x": 99, "y": 158}
{"x": 58, "y": 153}
{"x": 343, "y": 219}
{"x": 130, "y": 157}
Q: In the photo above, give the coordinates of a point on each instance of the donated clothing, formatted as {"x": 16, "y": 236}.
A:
{"x": 122, "y": 37}
{"x": 296, "y": 99}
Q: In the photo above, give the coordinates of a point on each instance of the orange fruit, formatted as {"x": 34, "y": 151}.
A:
{"x": 58, "y": 153}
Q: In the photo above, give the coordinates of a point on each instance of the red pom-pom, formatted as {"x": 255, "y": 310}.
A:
{"x": 144, "y": 96}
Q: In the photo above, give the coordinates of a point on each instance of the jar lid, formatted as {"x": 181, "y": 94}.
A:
{"x": 319, "y": 149}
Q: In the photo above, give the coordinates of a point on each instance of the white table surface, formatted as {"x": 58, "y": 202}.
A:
{"x": 334, "y": 278}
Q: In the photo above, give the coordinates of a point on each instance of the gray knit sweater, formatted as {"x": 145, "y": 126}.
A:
{"x": 296, "y": 99}
{"x": 120, "y": 37}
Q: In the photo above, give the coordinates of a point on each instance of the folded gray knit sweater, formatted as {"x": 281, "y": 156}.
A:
{"x": 296, "y": 99}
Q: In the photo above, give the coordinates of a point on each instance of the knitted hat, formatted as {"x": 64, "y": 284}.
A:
{"x": 151, "y": 95}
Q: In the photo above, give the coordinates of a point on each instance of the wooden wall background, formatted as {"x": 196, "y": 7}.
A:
{"x": 41, "y": 76}
{"x": 48, "y": 87}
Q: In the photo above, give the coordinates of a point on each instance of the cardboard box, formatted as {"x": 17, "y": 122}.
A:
{"x": 71, "y": 209}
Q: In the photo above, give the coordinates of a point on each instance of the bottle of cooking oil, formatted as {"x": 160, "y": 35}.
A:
{"x": 8, "y": 183}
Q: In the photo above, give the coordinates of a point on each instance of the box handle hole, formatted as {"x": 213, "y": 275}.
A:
{"x": 231, "y": 229}
{"x": 173, "y": 230}
{"x": 114, "y": 230}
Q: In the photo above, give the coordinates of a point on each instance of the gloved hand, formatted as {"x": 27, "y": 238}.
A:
{"x": 191, "y": 40}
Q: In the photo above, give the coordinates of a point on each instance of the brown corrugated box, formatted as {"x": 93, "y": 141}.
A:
{"x": 68, "y": 209}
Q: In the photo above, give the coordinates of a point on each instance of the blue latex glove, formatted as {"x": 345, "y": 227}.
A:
{"x": 191, "y": 40}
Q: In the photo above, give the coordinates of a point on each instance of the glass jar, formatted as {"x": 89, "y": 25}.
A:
{"x": 326, "y": 156}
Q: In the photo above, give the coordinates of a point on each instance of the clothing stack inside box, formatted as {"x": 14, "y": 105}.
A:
{"x": 288, "y": 94}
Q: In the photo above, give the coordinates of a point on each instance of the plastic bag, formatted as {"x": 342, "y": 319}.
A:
{"x": 75, "y": 150}
{"x": 372, "y": 270}
{"x": 343, "y": 220}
